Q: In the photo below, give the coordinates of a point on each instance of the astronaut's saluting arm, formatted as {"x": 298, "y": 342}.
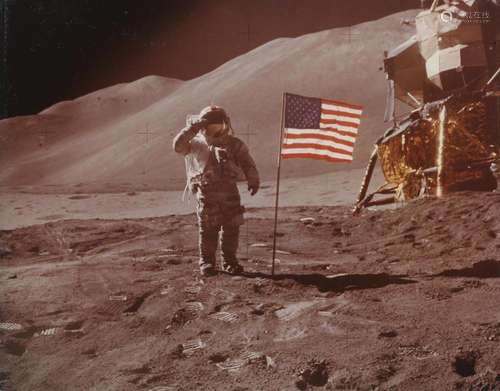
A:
{"x": 249, "y": 168}
{"x": 181, "y": 141}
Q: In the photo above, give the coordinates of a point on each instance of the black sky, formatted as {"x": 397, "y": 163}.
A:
{"x": 60, "y": 49}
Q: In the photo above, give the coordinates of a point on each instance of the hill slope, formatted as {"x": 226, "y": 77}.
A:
{"x": 105, "y": 143}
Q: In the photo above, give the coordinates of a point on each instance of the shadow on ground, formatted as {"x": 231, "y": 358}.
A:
{"x": 489, "y": 268}
{"x": 339, "y": 283}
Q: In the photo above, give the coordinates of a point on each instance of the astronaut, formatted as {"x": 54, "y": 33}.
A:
{"x": 215, "y": 159}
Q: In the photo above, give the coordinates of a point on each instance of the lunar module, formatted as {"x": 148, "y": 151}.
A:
{"x": 449, "y": 74}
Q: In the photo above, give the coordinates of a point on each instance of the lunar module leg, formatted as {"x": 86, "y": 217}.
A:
{"x": 368, "y": 175}
{"x": 364, "y": 200}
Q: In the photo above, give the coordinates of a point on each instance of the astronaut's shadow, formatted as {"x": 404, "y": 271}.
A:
{"x": 338, "y": 283}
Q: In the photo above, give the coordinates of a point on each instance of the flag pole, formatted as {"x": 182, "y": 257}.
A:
{"x": 278, "y": 182}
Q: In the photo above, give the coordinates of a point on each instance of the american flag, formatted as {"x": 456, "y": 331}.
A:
{"x": 319, "y": 128}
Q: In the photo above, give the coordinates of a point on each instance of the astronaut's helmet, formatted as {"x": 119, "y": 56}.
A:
{"x": 218, "y": 120}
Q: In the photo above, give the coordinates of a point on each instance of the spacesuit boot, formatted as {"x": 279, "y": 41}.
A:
{"x": 208, "y": 238}
{"x": 229, "y": 247}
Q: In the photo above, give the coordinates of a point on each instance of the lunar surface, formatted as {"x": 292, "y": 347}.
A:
{"x": 402, "y": 299}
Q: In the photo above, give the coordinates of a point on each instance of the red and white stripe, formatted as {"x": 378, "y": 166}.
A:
{"x": 335, "y": 138}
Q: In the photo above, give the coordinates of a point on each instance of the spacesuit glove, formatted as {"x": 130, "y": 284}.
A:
{"x": 253, "y": 188}
{"x": 200, "y": 124}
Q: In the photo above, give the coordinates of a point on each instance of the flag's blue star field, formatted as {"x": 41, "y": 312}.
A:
{"x": 302, "y": 112}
